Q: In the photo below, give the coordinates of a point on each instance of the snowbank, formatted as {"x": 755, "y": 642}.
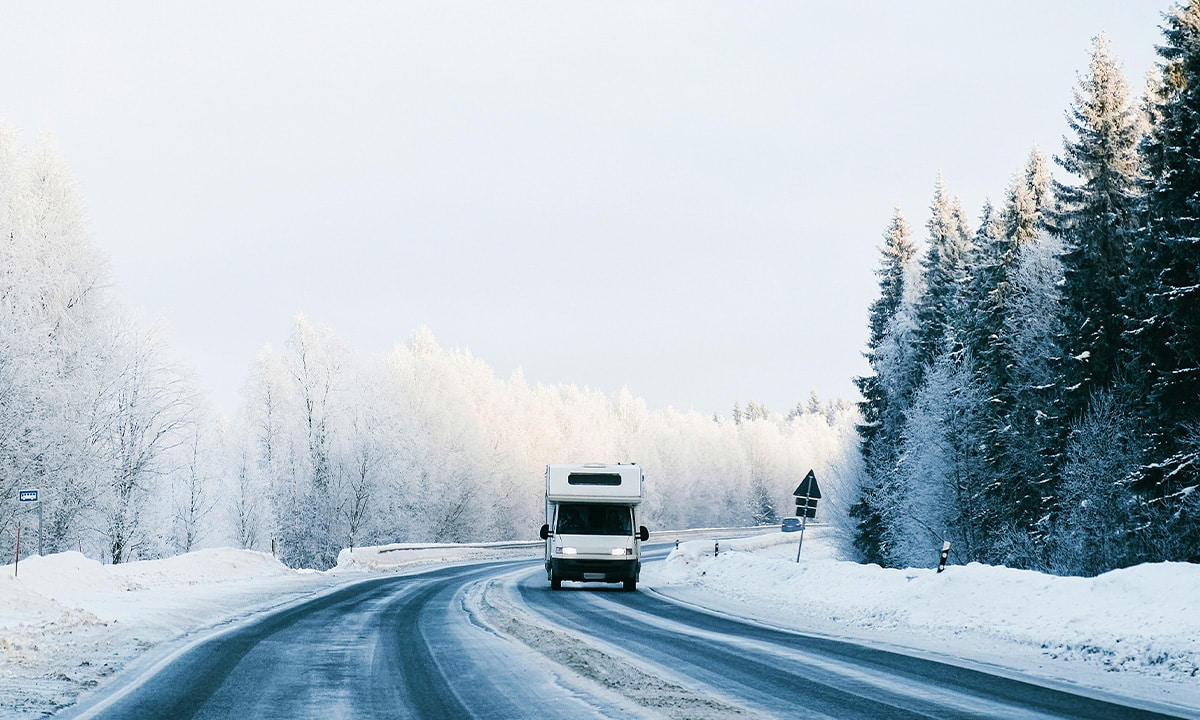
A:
{"x": 69, "y": 589}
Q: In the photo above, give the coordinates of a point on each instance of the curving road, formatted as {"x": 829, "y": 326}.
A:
{"x": 427, "y": 646}
{"x": 395, "y": 647}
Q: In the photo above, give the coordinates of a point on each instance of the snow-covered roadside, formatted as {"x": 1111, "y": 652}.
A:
{"x": 67, "y": 623}
{"x": 1133, "y": 632}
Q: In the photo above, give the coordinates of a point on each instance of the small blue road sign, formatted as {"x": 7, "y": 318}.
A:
{"x": 28, "y": 495}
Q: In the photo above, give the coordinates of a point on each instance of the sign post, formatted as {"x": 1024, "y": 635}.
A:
{"x": 807, "y": 495}
{"x": 31, "y": 496}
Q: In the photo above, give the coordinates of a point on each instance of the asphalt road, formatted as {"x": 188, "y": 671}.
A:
{"x": 397, "y": 647}
{"x": 408, "y": 647}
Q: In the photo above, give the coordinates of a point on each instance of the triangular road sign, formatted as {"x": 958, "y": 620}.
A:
{"x": 808, "y": 487}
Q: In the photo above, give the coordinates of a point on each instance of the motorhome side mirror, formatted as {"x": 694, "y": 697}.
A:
{"x": 643, "y": 533}
{"x": 544, "y": 532}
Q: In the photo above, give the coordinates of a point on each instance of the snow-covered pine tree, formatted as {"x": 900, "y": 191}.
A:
{"x": 1096, "y": 219}
{"x": 761, "y": 504}
{"x": 984, "y": 362}
{"x": 1164, "y": 293}
{"x": 921, "y": 335}
{"x": 1098, "y": 516}
{"x": 1033, "y": 329}
{"x": 885, "y": 392}
{"x": 1021, "y": 405}
{"x": 945, "y": 272}
{"x": 756, "y": 411}
{"x": 897, "y": 253}
{"x": 1027, "y": 202}
{"x": 935, "y": 495}
{"x": 982, "y": 300}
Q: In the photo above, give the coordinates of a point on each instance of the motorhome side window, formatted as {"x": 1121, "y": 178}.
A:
{"x": 593, "y": 479}
{"x": 594, "y": 519}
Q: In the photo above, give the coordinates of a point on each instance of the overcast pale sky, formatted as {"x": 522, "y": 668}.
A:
{"x": 682, "y": 198}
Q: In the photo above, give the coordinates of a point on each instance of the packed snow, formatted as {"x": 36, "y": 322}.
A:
{"x": 68, "y": 622}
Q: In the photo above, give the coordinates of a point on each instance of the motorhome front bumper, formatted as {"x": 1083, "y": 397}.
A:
{"x": 595, "y": 570}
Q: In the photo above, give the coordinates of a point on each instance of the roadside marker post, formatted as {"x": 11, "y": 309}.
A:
{"x": 807, "y": 494}
{"x": 945, "y": 554}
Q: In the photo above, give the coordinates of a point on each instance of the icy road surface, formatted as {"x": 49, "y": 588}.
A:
{"x": 384, "y": 648}
{"x": 493, "y": 641}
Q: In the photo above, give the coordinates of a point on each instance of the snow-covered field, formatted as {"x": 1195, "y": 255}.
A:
{"x": 67, "y": 623}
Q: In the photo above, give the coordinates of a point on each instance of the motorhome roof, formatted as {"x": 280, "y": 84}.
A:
{"x": 594, "y": 482}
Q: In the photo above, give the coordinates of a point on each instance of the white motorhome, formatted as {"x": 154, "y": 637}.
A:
{"x": 592, "y": 530}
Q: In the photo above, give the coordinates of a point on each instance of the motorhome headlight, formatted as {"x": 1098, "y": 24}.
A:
{"x": 622, "y": 551}
{"x": 568, "y": 551}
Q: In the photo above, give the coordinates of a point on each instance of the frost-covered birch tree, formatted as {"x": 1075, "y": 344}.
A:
{"x": 61, "y": 356}
{"x": 296, "y": 413}
{"x": 139, "y": 420}
{"x": 198, "y": 483}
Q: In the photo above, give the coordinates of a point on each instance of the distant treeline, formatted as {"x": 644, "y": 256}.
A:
{"x": 329, "y": 451}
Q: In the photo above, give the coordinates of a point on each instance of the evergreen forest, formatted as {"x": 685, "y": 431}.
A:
{"x": 1034, "y": 394}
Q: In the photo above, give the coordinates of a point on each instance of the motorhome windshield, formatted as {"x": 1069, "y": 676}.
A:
{"x": 594, "y": 519}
